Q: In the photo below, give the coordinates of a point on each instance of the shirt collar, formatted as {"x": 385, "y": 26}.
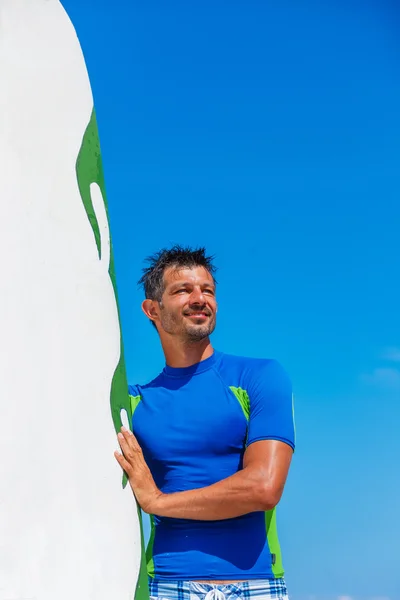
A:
{"x": 199, "y": 367}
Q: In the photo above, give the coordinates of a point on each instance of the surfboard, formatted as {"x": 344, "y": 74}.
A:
{"x": 69, "y": 527}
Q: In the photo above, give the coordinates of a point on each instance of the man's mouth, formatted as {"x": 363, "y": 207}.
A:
{"x": 198, "y": 315}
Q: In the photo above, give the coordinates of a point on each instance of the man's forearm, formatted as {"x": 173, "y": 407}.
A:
{"x": 256, "y": 487}
{"x": 239, "y": 494}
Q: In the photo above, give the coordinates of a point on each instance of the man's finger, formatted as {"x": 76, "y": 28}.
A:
{"x": 130, "y": 438}
{"x": 126, "y": 431}
{"x": 123, "y": 462}
{"x": 125, "y": 446}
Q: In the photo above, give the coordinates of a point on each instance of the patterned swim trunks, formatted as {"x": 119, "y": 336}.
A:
{"x": 262, "y": 589}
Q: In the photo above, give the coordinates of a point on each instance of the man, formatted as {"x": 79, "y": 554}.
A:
{"x": 212, "y": 442}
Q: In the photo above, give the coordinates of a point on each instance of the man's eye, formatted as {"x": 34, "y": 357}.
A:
{"x": 180, "y": 291}
{"x": 211, "y": 292}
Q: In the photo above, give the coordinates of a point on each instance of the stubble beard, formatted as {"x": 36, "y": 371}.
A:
{"x": 191, "y": 333}
{"x": 199, "y": 333}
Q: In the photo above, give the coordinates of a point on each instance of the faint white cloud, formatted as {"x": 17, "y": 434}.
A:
{"x": 386, "y": 377}
{"x": 392, "y": 354}
{"x": 345, "y": 598}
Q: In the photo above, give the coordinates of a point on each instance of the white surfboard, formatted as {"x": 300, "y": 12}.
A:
{"x": 68, "y": 529}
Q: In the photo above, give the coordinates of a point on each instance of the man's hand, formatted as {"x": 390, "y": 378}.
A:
{"x": 133, "y": 463}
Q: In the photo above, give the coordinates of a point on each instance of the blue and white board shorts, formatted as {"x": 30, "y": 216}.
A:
{"x": 262, "y": 589}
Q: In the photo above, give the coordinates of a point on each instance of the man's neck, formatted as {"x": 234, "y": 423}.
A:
{"x": 180, "y": 355}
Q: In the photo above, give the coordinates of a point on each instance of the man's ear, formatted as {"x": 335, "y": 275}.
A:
{"x": 149, "y": 309}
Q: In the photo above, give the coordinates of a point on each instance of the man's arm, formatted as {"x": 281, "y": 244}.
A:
{"x": 257, "y": 487}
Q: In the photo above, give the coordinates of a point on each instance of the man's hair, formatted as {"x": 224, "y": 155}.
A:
{"x": 178, "y": 257}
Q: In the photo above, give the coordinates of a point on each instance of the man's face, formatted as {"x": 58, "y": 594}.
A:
{"x": 188, "y": 306}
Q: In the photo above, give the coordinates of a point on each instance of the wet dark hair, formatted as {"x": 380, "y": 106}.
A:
{"x": 179, "y": 257}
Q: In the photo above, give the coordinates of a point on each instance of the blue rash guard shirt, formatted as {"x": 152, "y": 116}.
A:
{"x": 194, "y": 424}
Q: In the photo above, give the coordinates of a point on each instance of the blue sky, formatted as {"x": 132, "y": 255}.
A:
{"x": 270, "y": 133}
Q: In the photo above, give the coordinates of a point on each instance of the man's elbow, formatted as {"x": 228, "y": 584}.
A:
{"x": 268, "y": 496}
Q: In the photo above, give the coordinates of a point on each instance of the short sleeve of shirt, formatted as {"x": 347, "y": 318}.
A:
{"x": 133, "y": 390}
{"x": 271, "y": 405}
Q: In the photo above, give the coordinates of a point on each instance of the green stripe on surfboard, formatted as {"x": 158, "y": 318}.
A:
{"x": 89, "y": 169}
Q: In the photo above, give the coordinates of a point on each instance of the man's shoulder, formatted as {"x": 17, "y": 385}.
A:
{"x": 137, "y": 389}
{"x": 243, "y": 371}
{"x": 246, "y": 363}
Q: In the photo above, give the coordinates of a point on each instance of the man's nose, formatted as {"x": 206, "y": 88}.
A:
{"x": 197, "y": 297}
